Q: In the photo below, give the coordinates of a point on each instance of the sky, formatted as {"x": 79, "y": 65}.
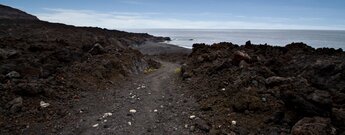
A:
{"x": 190, "y": 14}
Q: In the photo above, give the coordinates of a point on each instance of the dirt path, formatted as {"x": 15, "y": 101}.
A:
{"x": 160, "y": 105}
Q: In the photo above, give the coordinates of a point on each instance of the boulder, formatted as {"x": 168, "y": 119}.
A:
{"x": 313, "y": 126}
{"x": 248, "y": 42}
{"x": 239, "y": 56}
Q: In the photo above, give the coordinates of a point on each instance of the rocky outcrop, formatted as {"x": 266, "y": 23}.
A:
{"x": 268, "y": 88}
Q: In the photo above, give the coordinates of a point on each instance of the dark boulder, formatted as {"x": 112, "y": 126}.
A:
{"x": 313, "y": 126}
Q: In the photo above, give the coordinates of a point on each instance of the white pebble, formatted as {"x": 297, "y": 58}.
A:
{"x": 192, "y": 116}
{"x": 130, "y": 123}
{"x": 223, "y": 89}
{"x": 233, "y": 122}
{"x": 264, "y": 99}
{"x": 155, "y": 110}
{"x": 132, "y": 111}
{"x": 44, "y": 104}
{"x": 107, "y": 114}
{"x": 96, "y": 125}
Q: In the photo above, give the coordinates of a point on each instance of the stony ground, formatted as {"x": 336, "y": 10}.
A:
{"x": 151, "y": 103}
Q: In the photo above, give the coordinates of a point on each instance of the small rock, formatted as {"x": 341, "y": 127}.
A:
{"x": 13, "y": 74}
{"x": 248, "y": 42}
{"x": 96, "y": 125}
{"x": 233, "y": 122}
{"x": 132, "y": 111}
{"x": 223, "y": 89}
{"x": 107, "y": 115}
{"x": 97, "y": 49}
{"x": 192, "y": 128}
{"x": 239, "y": 56}
{"x": 44, "y": 104}
{"x": 130, "y": 123}
{"x": 264, "y": 99}
{"x": 155, "y": 110}
{"x": 192, "y": 117}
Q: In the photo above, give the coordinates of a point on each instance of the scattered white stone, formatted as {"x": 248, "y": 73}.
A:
{"x": 155, "y": 110}
{"x": 107, "y": 115}
{"x": 233, "y": 122}
{"x": 132, "y": 111}
{"x": 162, "y": 106}
{"x": 186, "y": 126}
{"x": 223, "y": 89}
{"x": 105, "y": 120}
{"x": 138, "y": 88}
{"x": 192, "y": 116}
{"x": 149, "y": 93}
{"x": 264, "y": 99}
{"x": 96, "y": 125}
{"x": 44, "y": 104}
{"x": 130, "y": 123}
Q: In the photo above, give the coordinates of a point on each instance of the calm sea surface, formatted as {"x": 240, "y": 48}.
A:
{"x": 187, "y": 37}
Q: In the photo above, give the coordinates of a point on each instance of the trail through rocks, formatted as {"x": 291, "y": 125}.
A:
{"x": 151, "y": 103}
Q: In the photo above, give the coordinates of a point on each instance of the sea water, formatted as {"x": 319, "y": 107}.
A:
{"x": 187, "y": 37}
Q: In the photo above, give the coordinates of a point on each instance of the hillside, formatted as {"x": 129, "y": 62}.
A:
{"x": 42, "y": 62}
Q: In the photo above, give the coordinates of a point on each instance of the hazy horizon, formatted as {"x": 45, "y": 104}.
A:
{"x": 192, "y": 14}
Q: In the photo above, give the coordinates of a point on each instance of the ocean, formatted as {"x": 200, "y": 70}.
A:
{"x": 187, "y": 37}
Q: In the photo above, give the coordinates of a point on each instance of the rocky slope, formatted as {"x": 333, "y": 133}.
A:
{"x": 45, "y": 66}
{"x": 7, "y": 12}
{"x": 261, "y": 89}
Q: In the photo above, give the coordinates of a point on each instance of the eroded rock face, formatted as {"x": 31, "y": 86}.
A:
{"x": 273, "y": 86}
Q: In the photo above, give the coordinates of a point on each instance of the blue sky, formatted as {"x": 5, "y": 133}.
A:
{"x": 205, "y": 14}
